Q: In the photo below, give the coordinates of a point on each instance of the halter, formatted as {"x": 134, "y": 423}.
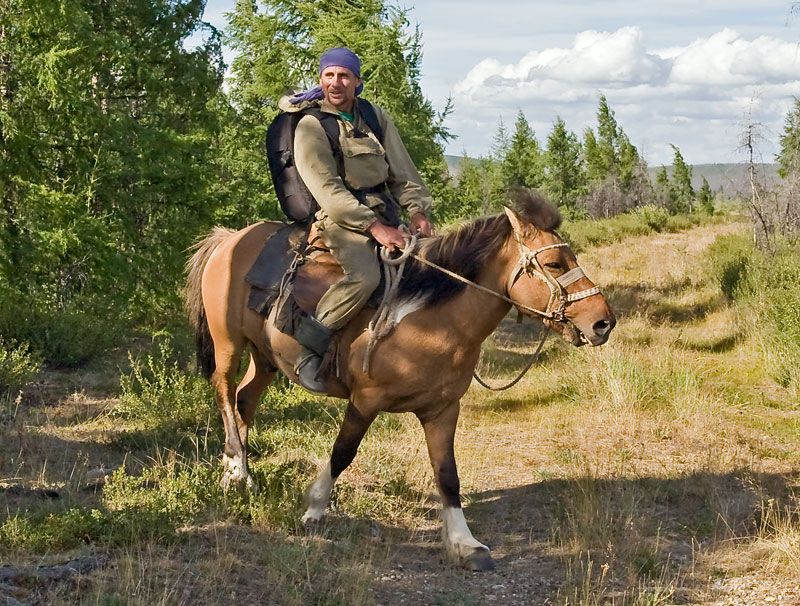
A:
{"x": 529, "y": 264}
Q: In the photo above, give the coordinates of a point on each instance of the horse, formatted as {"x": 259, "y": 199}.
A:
{"x": 424, "y": 365}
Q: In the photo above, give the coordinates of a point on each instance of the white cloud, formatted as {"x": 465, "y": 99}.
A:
{"x": 683, "y": 93}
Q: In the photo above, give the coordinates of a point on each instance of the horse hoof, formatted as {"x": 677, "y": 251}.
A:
{"x": 479, "y": 561}
{"x": 230, "y": 480}
{"x": 312, "y": 526}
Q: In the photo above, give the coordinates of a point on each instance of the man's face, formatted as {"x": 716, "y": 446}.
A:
{"x": 339, "y": 86}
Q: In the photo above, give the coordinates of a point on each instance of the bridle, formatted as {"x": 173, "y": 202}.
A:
{"x": 528, "y": 264}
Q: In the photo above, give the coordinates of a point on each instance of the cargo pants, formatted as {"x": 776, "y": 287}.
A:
{"x": 356, "y": 252}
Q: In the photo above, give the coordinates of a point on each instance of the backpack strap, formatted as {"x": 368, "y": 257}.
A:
{"x": 367, "y": 111}
{"x": 330, "y": 124}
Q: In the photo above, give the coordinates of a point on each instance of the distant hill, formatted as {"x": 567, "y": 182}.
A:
{"x": 729, "y": 179}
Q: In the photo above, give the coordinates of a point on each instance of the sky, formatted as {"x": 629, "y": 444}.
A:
{"x": 684, "y": 72}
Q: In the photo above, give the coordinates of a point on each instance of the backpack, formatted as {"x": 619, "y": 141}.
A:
{"x": 293, "y": 195}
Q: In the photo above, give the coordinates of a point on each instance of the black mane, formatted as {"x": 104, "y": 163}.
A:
{"x": 468, "y": 248}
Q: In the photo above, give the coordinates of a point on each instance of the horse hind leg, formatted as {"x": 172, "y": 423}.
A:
{"x": 234, "y": 462}
{"x": 461, "y": 546}
{"x": 354, "y": 426}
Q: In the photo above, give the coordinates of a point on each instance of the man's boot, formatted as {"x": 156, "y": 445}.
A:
{"x": 314, "y": 337}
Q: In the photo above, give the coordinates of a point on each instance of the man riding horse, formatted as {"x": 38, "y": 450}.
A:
{"x": 357, "y": 193}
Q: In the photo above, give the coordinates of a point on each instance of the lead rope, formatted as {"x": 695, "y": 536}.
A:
{"x": 382, "y": 324}
{"x": 533, "y": 359}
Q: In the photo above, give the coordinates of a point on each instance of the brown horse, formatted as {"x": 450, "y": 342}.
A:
{"x": 423, "y": 366}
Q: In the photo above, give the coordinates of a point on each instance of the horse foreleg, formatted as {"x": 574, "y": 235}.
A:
{"x": 353, "y": 428}
{"x": 255, "y": 381}
{"x": 461, "y": 546}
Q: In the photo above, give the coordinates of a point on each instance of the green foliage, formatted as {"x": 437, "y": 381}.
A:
{"x": 106, "y": 126}
{"x": 523, "y": 163}
{"x": 609, "y": 154}
{"x": 705, "y": 198}
{"x": 768, "y": 287}
{"x": 42, "y": 531}
{"x": 681, "y": 184}
{"x": 654, "y": 217}
{"x": 173, "y": 492}
{"x": 593, "y": 232}
{"x": 158, "y": 391}
{"x": 18, "y": 366}
{"x": 730, "y": 259}
{"x": 585, "y": 233}
{"x": 65, "y": 335}
{"x": 789, "y": 154}
{"x": 564, "y": 176}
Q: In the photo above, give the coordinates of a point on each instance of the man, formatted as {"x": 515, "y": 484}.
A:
{"x": 356, "y": 208}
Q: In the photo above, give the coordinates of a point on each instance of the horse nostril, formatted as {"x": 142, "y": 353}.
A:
{"x": 601, "y": 327}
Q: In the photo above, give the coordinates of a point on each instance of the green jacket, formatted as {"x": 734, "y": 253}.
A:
{"x": 367, "y": 163}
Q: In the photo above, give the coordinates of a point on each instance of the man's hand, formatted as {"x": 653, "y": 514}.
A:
{"x": 390, "y": 237}
{"x": 420, "y": 225}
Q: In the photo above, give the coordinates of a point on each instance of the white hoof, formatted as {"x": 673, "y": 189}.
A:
{"x": 235, "y": 474}
{"x": 313, "y": 515}
{"x": 463, "y": 549}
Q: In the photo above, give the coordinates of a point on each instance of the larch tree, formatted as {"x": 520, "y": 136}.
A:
{"x": 681, "y": 183}
{"x": 564, "y": 178}
{"x": 523, "y": 165}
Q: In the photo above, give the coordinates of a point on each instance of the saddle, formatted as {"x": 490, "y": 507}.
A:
{"x": 293, "y": 270}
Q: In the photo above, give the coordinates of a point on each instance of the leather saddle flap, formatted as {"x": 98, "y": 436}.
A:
{"x": 271, "y": 264}
{"x": 314, "y": 278}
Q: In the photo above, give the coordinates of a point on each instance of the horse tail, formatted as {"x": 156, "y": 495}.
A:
{"x": 195, "y": 309}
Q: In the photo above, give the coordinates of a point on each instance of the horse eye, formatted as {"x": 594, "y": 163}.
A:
{"x": 553, "y": 265}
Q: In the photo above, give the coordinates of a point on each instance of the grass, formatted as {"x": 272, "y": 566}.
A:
{"x": 631, "y": 474}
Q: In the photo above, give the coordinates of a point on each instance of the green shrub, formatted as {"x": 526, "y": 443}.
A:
{"x": 45, "y": 531}
{"x": 655, "y": 217}
{"x": 774, "y": 286}
{"x": 768, "y": 288}
{"x": 69, "y": 335}
{"x": 18, "y": 366}
{"x": 174, "y": 492}
{"x": 157, "y": 390}
{"x": 730, "y": 259}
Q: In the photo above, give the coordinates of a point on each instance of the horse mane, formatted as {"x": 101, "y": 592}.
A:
{"x": 469, "y": 247}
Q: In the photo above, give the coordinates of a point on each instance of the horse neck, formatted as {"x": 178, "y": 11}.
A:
{"x": 475, "y": 314}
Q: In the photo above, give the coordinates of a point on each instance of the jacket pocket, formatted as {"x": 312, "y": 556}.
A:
{"x": 364, "y": 162}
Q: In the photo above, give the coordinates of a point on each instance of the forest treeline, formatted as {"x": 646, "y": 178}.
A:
{"x": 120, "y": 145}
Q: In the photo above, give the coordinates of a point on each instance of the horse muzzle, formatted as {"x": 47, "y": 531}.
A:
{"x": 596, "y": 334}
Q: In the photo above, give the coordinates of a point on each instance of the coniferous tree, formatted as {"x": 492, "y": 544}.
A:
{"x": 789, "y": 154}
{"x": 681, "y": 183}
{"x": 523, "y": 165}
{"x": 564, "y": 179}
{"x": 705, "y": 198}
{"x": 501, "y": 142}
{"x": 106, "y": 121}
{"x": 609, "y": 154}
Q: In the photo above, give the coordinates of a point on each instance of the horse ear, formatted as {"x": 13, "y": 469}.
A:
{"x": 516, "y": 222}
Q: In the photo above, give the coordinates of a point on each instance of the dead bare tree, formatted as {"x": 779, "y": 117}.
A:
{"x": 750, "y": 138}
